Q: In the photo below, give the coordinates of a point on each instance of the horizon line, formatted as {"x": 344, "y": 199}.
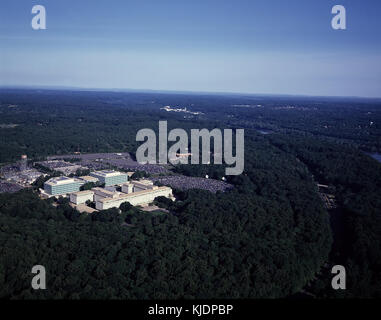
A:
{"x": 121, "y": 90}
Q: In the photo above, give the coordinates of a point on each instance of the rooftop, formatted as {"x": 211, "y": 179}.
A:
{"x": 82, "y": 193}
{"x": 88, "y": 178}
{"x": 134, "y": 194}
{"x": 108, "y": 173}
{"x": 105, "y": 191}
{"x": 60, "y": 181}
{"x": 144, "y": 182}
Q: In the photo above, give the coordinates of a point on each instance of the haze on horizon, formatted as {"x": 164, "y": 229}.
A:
{"x": 266, "y": 47}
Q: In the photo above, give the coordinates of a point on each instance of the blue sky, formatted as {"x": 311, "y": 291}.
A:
{"x": 264, "y": 46}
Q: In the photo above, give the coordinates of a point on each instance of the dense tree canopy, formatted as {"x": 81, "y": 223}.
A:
{"x": 262, "y": 239}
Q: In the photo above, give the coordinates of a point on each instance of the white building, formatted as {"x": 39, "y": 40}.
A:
{"x": 101, "y": 193}
{"x": 136, "y": 186}
{"x": 128, "y": 188}
{"x": 135, "y": 198}
{"x": 135, "y": 192}
{"x": 143, "y": 185}
{"x": 82, "y": 196}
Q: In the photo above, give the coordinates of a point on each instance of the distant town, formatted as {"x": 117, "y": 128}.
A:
{"x": 178, "y": 109}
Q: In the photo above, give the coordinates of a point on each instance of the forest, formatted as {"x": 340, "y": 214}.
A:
{"x": 357, "y": 181}
{"x": 268, "y": 237}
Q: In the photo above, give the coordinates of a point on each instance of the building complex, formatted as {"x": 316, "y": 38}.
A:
{"x": 117, "y": 190}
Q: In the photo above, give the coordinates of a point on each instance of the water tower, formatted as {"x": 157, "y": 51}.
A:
{"x": 23, "y": 162}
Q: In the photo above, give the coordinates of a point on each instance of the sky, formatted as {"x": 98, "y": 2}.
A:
{"x": 248, "y": 46}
